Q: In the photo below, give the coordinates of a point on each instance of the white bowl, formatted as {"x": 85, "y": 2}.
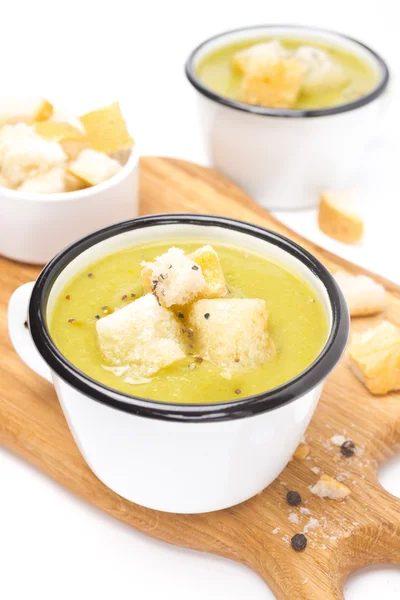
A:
{"x": 179, "y": 458}
{"x": 284, "y": 158}
{"x": 34, "y": 227}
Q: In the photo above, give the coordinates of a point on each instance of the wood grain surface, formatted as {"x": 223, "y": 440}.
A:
{"x": 342, "y": 536}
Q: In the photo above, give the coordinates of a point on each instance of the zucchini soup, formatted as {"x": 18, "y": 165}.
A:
{"x": 286, "y": 73}
{"x": 189, "y": 323}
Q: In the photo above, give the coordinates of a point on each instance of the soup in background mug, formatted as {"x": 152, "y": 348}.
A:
{"x": 285, "y": 157}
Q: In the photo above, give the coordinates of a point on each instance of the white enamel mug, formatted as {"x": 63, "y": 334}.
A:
{"x": 285, "y": 158}
{"x": 178, "y": 458}
{"x": 34, "y": 227}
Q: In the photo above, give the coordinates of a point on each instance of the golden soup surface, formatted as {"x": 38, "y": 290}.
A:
{"x": 297, "y": 323}
{"x": 216, "y": 71}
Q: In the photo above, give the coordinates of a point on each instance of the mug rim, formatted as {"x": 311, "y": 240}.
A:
{"x": 292, "y": 390}
{"x": 287, "y": 112}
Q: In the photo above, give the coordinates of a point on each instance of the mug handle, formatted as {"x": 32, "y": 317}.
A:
{"x": 19, "y": 332}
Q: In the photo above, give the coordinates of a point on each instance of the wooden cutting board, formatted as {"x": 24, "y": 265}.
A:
{"x": 364, "y": 529}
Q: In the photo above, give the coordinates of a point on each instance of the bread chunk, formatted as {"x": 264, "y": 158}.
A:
{"x": 363, "y": 296}
{"x": 321, "y": 72}
{"x": 375, "y": 358}
{"x": 29, "y": 110}
{"x": 71, "y": 138}
{"x": 328, "y": 487}
{"x": 173, "y": 277}
{"x": 106, "y": 129}
{"x": 72, "y": 183}
{"x": 51, "y": 182}
{"x": 278, "y": 86}
{"x": 208, "y": 260}
{"x": 338, "y": 218}
{"x": 143, "y": 336}
{"x": 302, "y": 451}
{"x": 5, "y": 182}
{"x": 24, "y": 153}
{"x": 94, "y": 167}
{"x": 257, "y": 59}
{"x": 232, "y": 333}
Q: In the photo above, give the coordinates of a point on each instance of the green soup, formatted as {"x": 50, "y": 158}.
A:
{"x": 216, "y": 71}
{"x": 297, "y": 323}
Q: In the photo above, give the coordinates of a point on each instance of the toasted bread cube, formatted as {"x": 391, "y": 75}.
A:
{"x": 44, "y": 112}
{"x": 208, "y": 260}
{"x": 94, "y": 167}
{"x": 26, "y": 110}
{"x": 106, "y": 129}
{"x": 364, "y": 296}
{"x": 321, "y": 72}
{"x": 328, "y": 487}
{"x": 72, "y": 183}
{"x": 24, "y": 153}
{"x": 173, "y": 277}
{"x": 231, "y": 332}
{"x": 51, "y": 182}
{"x": 72, "y": 139}
{"x": 375, "y": 358}
{"x": 257, "y": 59}
{"x": 278, "y": 87}
{"x": 143, "y": 336}
{"x": 57, "y": 130}
{"x": 338, "y": 218}
{"x": 5, "y": 182}
{"x": 302, "y": 451}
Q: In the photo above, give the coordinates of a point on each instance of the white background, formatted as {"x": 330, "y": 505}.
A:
{"x": 82, "y": 54}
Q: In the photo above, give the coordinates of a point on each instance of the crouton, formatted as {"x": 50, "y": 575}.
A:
{"x": 72, "y": 183}
{"x": 302, "y": 451}
{"x": 106, "y": 129}
{"x": 72, "y": 139}
{"x": 257, "y": 59}
{"x": 27, "y": 110}
{"x": 208, "y": 260}
{"x": 321, "y": 72}
{"x": 375, "y": 358}
{"x": 328, "y": 487}
{"x": 363, "y": 296}
{"x": 93, "y": 167}
{"x": 44, "y": 111}
{"x": 24, "y": 153}
{"x": 338, "y": 218}
{"x": 173, "y": 277}
{"x": 143, "y": 336}
{"x": 278, "y": 87}
{"x": 232, "y": 333}
{"x": 51, "y": 182}
{"x": 5, "y": 182}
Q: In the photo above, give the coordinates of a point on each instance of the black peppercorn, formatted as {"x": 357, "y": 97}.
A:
{"x": 238, "y": 391}
{"x": 207, "y": 316}
{"x": 299, "y": 542}
{"x": 293, "y": 498}
{"x": 348, "y": 448}
{"x": 181, "y": 315}
{"x": 195, "y": 268}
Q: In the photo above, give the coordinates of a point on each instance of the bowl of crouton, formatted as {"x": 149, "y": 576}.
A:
{"x": 61, "y": 178}
{"x": 171, "y": 341}
{"x": 286, "y": 111}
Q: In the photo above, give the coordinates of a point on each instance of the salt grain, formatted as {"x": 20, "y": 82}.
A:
{"x": 293, "y": 517}
{"x": 312, "y": 524}
{"x": 316, "y": 470}
{"x": 276, "y": 530}
{"x": 305, "y": 511}
{"x": 338, "y": 440}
